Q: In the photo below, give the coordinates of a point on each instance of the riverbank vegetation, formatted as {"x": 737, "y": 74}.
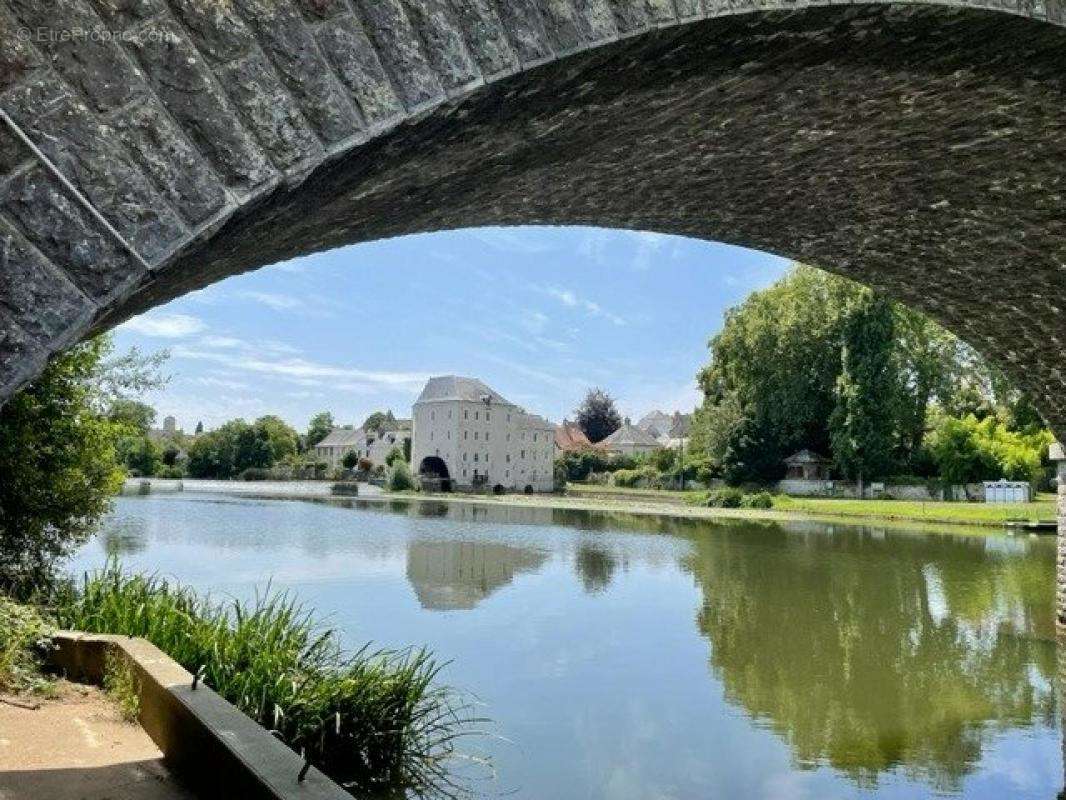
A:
{"x": 818, "y": 362}
{"x": 782, "y": 506}
{"x": 374, "y": 721}
{"x": 24, "y": 637}
{"x": 59, "y": 458}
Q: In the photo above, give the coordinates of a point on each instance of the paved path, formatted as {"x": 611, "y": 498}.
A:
{"x": 78, "y": 748}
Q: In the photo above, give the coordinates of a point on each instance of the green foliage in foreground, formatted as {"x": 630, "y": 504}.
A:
{"x": 58, "y": 466}
{"x": 24, "y": 634}
{"x": 375, "y": 722}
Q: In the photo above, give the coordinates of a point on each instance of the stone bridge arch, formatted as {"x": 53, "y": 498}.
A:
{"x": 150, "y": 147}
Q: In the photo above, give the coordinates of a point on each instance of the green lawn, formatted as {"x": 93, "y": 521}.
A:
{"x": 959, "y": 513}
{"x": 971, "y": 513}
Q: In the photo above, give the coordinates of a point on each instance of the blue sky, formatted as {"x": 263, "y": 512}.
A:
{"x": 540, "y": 314}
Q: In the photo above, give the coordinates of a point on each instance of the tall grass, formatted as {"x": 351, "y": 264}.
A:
{"x": 376, "y": 722}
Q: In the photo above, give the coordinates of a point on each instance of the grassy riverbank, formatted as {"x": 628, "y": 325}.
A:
{"x": 687, "y": 504}
{"x": 376, "y": 722}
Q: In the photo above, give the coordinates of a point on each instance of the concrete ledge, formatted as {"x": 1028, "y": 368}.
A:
{"x": 211, "y": 745}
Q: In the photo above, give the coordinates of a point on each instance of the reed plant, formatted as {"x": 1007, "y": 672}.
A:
{"x": 375, "y": 721}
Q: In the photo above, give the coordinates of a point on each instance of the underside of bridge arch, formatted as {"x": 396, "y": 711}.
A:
{"x": 920, "y": 149}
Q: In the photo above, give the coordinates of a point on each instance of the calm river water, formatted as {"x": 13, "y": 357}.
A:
{"x": 623, "y": 657}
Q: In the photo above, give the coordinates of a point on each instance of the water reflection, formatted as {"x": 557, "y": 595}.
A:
{"x": 448, "y": 576}
{"x": 871, "y": 652}
{"x": 635, "y": 656}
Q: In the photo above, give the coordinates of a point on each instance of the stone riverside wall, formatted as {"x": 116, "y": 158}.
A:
{"x": 200, "y": 138}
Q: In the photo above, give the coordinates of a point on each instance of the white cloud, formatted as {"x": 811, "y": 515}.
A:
{"x": 222, "y": 383}
{"x": 304, "y": 372}
{"x": 571, "y": 300}
{"x": 165, "y": 326}
{"x": 277, "y": 302}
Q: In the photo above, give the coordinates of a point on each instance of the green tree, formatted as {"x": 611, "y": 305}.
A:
{"x": 862, "y": 425}
{"x": 58, "y": 463}
{"x": 140, "y": 455}
{"x": 136, "y": 416}
{"x": 597, "y": 415}
{"x": 380, "y": 421}
{"x": 769, "y": 387}
{"x": 394, "y": 455}
{"x": 236, "y": 446}
{"x": 282, "y": 439}
{"x": 350, "y": 460}
{"x": 171, "y": 454}
{"x": 774, "y": 380}
{"x": 319, "y": 427}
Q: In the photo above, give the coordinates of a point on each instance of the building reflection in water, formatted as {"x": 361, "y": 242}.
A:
{"x": 457, "y": 575}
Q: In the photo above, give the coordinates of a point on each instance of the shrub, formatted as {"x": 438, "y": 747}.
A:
{"x": 172, "y": 473}
{"x": 375, "y": 722}
{"x": 725, "y": 498}
{"x": 365, "y": 465}
{"x": 757, "y": 500}
{"x": 628, "y": 478}
{"x": 121, "y": 686}
{"x": 399, "y": 478}
{"x": 350, "y": 460}
{"x": 255, "y": 474}
{"x": 24, "y": 637}
{"x": 395, "y": 454}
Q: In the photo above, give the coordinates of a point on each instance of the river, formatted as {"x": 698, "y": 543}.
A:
{"x": 628, "y": 657}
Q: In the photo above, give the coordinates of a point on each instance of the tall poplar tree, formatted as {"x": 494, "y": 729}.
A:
{"x": 862, "y": 425}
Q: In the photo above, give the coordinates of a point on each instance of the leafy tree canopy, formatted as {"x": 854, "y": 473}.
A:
{"x": 380, "y": 421}
{"x": 598, "y": 416}
{"x": 818, "y": 362}
{"x": 319, "y": 427}
{"x": 58, "y": 456}
{"x": 138, "y": 417}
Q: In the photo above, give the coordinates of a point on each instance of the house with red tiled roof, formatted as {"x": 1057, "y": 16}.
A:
{"x": 569, "y": 438}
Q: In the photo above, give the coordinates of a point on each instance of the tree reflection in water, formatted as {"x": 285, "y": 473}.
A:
{"x": 871, "y": 651}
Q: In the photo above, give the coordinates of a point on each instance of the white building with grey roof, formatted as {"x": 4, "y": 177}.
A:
{"x": 629, "y": 440}
{"x": 467, "y": 436}
{"x": 373, "y": 446}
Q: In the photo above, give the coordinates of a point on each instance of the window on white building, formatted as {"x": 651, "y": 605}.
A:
{"x": 475, "y": 436}
{"x": 475, "y": 457}
{"x": 486, "y": 436}
{"x": 432, "y": 414}
{"x": 466, "y": 413}
{"x": 486, "y": 416}
{"x": 466, "y": 434}
{"x": 523, "y": 454}
{"x": 475, "y": 415}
